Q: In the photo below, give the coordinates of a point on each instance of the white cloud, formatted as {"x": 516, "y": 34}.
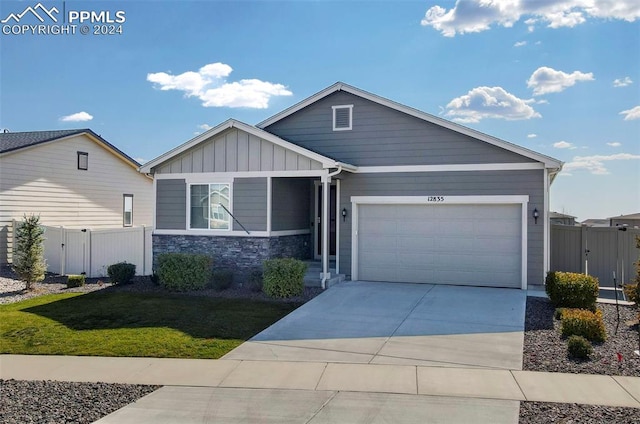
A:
{"x": 532, "y": 135}
{"x": 564, "y": 145}
{"x": 520, "y": 44}
{"x": 489, "y": 102}
{"x": 205, "y": 127}
{"x": 595, "y": 164}
{"x": 479, "y": 15}
{"x": 141, "y": 161}
{"x": 631, "y": 114}
{"x": 547, "y": 80}
{"x": 210, "y": 86}
{"x": 77, "y": 117}
{"x": 614, "y": 144}
{"x": 622, "y": 82}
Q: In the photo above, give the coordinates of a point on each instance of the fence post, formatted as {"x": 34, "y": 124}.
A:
{"x": 144, "y": 250}
{"x": 584, "y": 250}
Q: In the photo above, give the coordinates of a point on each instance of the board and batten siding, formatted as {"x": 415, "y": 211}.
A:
{"x": 45, "y": 180}
{"x": 290, "y": 206}
{"x": 382, "y": 136}
{"x": 485, "y": 183}
{"x": 250, "y": 203}
{"x": 171, "y": 204}
{"x": 237, "y": 151}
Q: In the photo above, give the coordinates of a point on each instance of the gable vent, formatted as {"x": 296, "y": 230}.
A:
{"x": 342, "y": 117}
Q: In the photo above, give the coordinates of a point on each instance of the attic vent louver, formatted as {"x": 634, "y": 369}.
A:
{"x": 342, "y": 117}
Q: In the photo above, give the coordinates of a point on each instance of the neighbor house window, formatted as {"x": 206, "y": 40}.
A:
{"x": 83, "y": 161}
{"x": 208, "y": 203}
{"x": 127, "y": 210}
{"x": 342, "y": 117}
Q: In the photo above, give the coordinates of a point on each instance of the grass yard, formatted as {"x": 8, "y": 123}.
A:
{"x": 133, "y": 324}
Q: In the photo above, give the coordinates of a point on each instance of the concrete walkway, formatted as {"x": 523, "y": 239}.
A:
{"x": 318, "y": 392}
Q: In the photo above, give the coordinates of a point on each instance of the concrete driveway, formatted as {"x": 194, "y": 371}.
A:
{"x": 406, "y": 324}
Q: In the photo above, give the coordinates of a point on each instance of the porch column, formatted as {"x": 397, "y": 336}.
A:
{"x": 326, "y": 189}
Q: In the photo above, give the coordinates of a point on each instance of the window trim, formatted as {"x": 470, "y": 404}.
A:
{"x": 188, "y": 211}
{"x": 337, "y": 107}
{"x": 124, "y": 210}
{"x": 83, "y": 154}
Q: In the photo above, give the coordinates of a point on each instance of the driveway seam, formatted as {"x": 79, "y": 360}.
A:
{"x": 321, "y": 375}
{"x": 623, "y": 388}
{"x": 229, "y": 373}
{"x": 333, "y": 395}
{"x": 386, "y": 340}
{"x": 519, "y": 387}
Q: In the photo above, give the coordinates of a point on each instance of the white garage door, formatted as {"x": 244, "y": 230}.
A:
{"x": 477, "y": 245}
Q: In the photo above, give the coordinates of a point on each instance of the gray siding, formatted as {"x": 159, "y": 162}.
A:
{"x": 250, "y": 203}
{"x": 450, "y": 184}
{"x": 171, "y": 204}
{"x": 290, "y": 204}
{"x": 382, "y": 136}
{"x": 237, "y": 151}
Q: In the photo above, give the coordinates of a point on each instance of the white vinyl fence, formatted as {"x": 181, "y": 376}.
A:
{"x": 90, "y": 252}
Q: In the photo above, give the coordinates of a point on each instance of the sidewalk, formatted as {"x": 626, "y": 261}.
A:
{"x": 332, "y": 377}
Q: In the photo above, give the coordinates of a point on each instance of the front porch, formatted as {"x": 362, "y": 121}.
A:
{"x": 313, "y": 277}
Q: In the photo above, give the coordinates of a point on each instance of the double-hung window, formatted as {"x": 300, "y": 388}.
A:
{"x": 127, "y": 210}
{"x": 209, "y": 205}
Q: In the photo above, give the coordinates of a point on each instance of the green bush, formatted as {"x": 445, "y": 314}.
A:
{"x": 28, "y": 255}
{"x": 221, "y": 279}
{"x": 284, "y": 277}
{"x": 183, "y": 271}
{"x": 558, "y": 313}
{"x": 571, "y": 290}
{"x": 579, "y": 347}
{"x": 254, "y": 280}
{"x": 581, "y": 322}
{"x": 75, "y": 281}
{"x": 632, "y": 291}
{"x": 121, "y": 273}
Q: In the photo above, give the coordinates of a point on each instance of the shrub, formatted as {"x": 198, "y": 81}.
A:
{"x": 75, "y": 281}
{"x": 221, "y": 279}
{"x": 121, "y": 273}
{"x": 284, "y": 277}
{"x": 254, "y": 280}
{"x": 182, "y": 271}
{"x": 579, "y": 347}
{"x": 558, "y": 313}
{"x": 632, "y": 291}
{"x": 28, "y": 255}
{"x": 581, "y": 322}
{"x": 571, "y": 290}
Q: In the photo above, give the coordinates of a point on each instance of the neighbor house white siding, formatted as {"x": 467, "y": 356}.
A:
{"x": 45, "y": 180}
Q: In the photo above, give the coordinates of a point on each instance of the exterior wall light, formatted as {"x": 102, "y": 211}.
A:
{"x": 536, "y": 215}
{"x": 344, "y": 214}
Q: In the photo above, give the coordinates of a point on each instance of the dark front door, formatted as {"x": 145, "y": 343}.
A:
{"x": 332, "y": 221}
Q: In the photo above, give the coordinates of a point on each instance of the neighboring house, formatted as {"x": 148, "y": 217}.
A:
{"x": 631, "y": 220}
{"x": 562, "y": 219}
{"x": 594, "y": 222}
{"x": 71, "y": 178}
{"x": 388, "y": 192}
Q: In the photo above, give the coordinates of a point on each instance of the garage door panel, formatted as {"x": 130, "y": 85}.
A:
{"x": 441, "y": 244}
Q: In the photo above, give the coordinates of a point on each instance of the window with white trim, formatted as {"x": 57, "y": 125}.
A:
{"x": 342, "y": 117}
{"x": 127, "y": 210}
{"x": 207, "y": 206}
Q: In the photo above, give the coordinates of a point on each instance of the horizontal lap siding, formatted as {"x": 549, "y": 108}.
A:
{"x": 171, "y": 204}
{"x": 490, "y": 183}
{"x": 290, "y": 205}
{"x": 250, "y": 203}
{"x": 383, "y": 136}
{"x": 45, "y": 180}
{"x": 237, "y": 151}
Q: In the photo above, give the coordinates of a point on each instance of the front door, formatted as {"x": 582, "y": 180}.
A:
{"x": 332, "y": 221}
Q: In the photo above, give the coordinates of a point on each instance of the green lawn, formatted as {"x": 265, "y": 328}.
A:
{"x": 133, "y": 324}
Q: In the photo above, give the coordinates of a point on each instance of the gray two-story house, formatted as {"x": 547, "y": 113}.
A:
{"x": 372, "y": 189}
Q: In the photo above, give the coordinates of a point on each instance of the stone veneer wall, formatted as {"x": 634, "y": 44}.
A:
{"x": 239, "y": 254}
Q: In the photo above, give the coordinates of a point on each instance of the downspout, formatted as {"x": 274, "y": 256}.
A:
{"x": 325, "y": 229}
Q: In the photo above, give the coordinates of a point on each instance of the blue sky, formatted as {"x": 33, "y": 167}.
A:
{"x": 559, "y": 77}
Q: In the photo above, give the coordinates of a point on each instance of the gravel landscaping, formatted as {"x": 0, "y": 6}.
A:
{"x": 23, "y": 402}
{"x": 573, "y": 413}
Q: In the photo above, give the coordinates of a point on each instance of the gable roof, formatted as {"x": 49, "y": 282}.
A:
{"x": 629, "y": 216}
{"x": 559, "y": 215}
{"x": 548, "y": 161}
{"x": 13, "y": 141}
{"x": 260, "y": 133}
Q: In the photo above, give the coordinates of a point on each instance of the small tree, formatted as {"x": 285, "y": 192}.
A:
{"x": 28, "y": 254}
